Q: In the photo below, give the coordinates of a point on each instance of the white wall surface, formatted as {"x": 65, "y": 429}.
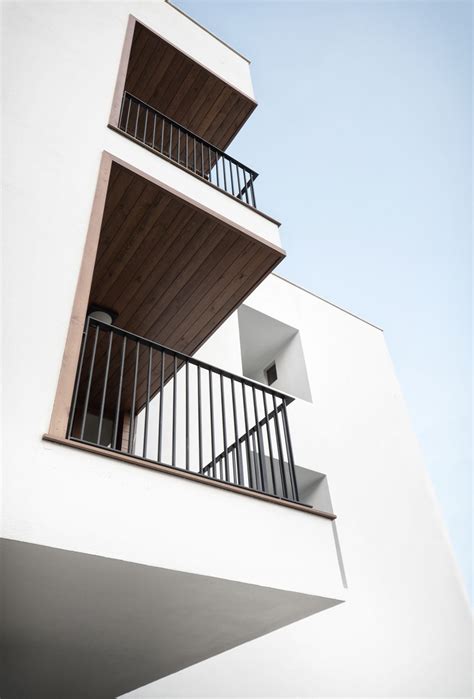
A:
{"x": 405, "y": 628}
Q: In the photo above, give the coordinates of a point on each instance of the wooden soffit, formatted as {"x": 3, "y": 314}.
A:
{"x": 176, "y": 85}
{"x": 171, "y": 272}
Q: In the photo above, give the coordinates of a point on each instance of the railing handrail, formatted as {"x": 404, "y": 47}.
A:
{"x": 194, "y": 135}
{"x": 286, "y": 397}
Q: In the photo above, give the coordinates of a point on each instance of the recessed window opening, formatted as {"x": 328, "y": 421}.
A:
{"x": 271, "y": 374}
{"x": 272, "y": 353}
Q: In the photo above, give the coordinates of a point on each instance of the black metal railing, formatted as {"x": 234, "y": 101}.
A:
{"x": 138, "y": 397}
{"x": 168, "y": 138}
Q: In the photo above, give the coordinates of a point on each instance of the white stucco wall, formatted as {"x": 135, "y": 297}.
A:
{"x": 405, "y": 628}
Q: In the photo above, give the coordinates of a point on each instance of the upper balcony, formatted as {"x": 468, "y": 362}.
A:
{"x": 186, "y": 104}
{"x": 199, "y": 82}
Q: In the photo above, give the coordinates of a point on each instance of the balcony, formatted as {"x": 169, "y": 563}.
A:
{"x": 187, "y": 74}
{"x": 166, "y": 137}
{"x": 140, "y": 399}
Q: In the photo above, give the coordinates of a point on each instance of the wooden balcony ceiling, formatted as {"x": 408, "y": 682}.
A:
{"x": 172, "y": 272}
{"x": 170, "y": 81}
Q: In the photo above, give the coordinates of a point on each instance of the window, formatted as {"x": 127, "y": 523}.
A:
{"x": 271, "y": 374}
{"x": 272, "y": 353}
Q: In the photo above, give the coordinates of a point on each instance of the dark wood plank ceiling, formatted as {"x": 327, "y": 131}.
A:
{"x": 171, "y": 272}
{"x": 170, "y": 81}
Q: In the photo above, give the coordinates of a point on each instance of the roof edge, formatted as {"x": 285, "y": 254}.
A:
{"x": 344, "y": 310}
{"x": 178, "y": 9}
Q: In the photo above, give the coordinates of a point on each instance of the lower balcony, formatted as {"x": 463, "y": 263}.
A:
{"x": 139, "y": 399}
{"x": 161, "y": 572}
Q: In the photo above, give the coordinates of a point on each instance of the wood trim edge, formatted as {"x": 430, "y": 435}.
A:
{"x": 133, "y": 461}
{"x": 122, "y": 71}
{"x": 67, "y": 374}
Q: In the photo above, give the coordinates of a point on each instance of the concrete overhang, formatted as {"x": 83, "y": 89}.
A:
{"x": 76, "y": 625}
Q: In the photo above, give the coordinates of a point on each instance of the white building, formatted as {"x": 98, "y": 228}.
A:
{"x": 171, "y": 482}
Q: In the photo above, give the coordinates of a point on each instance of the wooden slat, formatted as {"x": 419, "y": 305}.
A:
{"x": 172, "y": 82}
{"x": 171, "y": 271}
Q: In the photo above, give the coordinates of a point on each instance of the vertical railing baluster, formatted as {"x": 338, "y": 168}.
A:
{"x": 280, "y": 450}
{"x": 246, "y": 184}
{"x": 173, "y": 448}
{"x": 202, "y": 159}
{"x": 261, "y": 454}
{"x": 179, "y": 146}
{"x": 224, "y": 429}
{"x": 187, "y": 414}
{"x": 160, "y": 420}
{"x": 211, "y": 408}
{"x": 247, "y": 441}
{"x": 154, "y": 131}
{"x": 210, "y": 162}
{"x": 134, "y": 397}
{"x": 187, "y": 150}
{"x": 194, "y": 155}
{"x": 136, "y": 120}
{"x": 171, "y": 139}
{"x": 128, "y": 113}
{"x": 238, "y": 454}
{"x": 104, "y": 389}
{"x": 146, "y": 126}
{"x": 119, "y": 394}
{"x": 162, "y": 146}
{"x": 235, "y": 471}
{"x": 239, "y": 190}
{"x": 256, "y": 470}
{"x": 72, "y": 414}
{"x": 289, "y": 451}
{"x": 270, "y": 447}
{"x": 231, "y": 177}
{"x": 217, "y": 168}
{"x": 89, "y": 382}
{"x": 199, "y": 416}
{"x": 147, "y": 405}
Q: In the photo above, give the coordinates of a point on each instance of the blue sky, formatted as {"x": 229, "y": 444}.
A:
{"x": 362, "y": 139}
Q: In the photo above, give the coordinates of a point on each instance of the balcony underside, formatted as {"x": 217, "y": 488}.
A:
{"x": 78, "y": 625}
{"x": 176, "y": 85}
{"x": 169, "y": 271}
